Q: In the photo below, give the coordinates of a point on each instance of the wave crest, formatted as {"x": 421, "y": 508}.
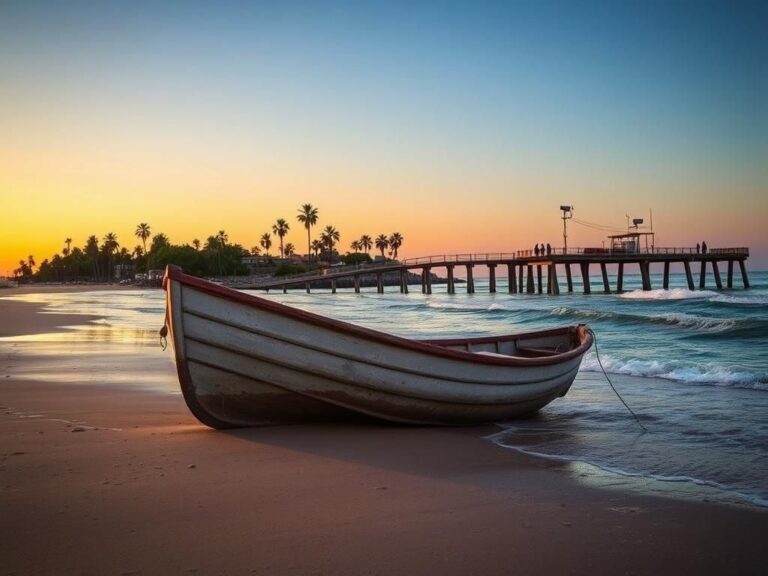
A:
{"x": 672, "y": 319}
{"x": 673, "y": 294}
{"x": 752, "y": 300}
{"x": 678, "y": 371}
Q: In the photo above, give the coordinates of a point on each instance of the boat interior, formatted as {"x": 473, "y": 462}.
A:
{"x": 524, "y": 346}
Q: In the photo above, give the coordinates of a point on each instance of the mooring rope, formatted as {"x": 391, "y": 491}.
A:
{"x": 164, "y": 331}
{"x": 594, "y": 337}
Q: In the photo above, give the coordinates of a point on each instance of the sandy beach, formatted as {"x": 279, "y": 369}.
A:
{"x": 100, "y": 479}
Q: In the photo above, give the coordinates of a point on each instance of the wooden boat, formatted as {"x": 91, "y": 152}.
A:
{"x": 247, "y": 361}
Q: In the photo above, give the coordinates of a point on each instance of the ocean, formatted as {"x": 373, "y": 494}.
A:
{"x": 692, "y": 365}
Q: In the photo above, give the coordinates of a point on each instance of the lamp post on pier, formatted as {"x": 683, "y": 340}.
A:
{"x": 567, "y": 215}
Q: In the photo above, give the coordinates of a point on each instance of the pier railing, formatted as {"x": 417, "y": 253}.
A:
{"x": 597, "y": 251}
{"x": 588, "y": 251}
{"x": 448, "y": 258}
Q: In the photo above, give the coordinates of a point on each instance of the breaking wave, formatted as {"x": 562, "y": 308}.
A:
{"x": 700, "y": 373}
{"x": 683, "y": 320}
{"x": 673, "y": 294}
{"x": 749, "y": 301}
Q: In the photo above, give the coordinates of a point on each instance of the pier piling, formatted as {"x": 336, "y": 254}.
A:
{"x": 585, "y": 277}
{"x": 730, "y": 274}
{"x": 538, "y": 278}
{"x": 553, "y": 279}
{"x": 716, "y": 273}
{"x": 606, "y": 285}
{"x": 511, "y": 280}
{"x": 620, "y": 278}
{"x": 688, "y": 274}
{"x": 744, "y": 277}
{"x": 645, "y": 273}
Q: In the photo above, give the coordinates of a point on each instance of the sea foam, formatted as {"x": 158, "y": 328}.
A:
{"x": 700, "y": 373}
{"x": 673, "y": 294}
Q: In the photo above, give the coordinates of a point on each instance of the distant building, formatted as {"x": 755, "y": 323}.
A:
{"x": 123, "y": 272}
{"x": 630, "y": 243}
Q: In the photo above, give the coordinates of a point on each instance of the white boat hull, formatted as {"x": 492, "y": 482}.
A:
{"x": 247, "y": 361}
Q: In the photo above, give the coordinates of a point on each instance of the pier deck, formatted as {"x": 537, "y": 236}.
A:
{"x": 525, "y": 269}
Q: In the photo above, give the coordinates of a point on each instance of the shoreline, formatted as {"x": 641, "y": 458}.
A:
{"x": 120, "y": 480}
{"x": 53, "y": 288}
{"x": 28, "y": 318}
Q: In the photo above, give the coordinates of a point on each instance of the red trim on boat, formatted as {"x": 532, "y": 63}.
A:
{"x": 579, "y": 334}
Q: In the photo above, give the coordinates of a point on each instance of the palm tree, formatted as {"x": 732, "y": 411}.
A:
{"x": 290, "y": 250}
{"x": 143, "y": 232}
{"x": 125, "y": 255}
{"x": 266, "y": 242}
{"x": 355, "y": 245}
{"x": 159, "y": 241}
{"x": 23, "y": 270}
{"x": 382, "y": 243}
{"x": 138, "y": 252}
{"x": 255, "y": 250}
{"x": 196, "y": 244}
{"x": 365, "y": 243}
{"x": 308, "y": 217}
{"x": 222, "y": 237}
{"x": 62, "y": 264}
{"x": 395, "y": 241}
{"x": 110, "y": 246}
{"x": 316, "y": 247}
{"x": 31, "y": 263}
{"x": 213, "y": 246}
{"x": 280, "y": 229}
{"x": 329, "y": 237}
{"x": 92, "y": 250}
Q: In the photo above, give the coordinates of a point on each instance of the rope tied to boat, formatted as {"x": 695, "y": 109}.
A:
{"x": 597, "y": 354}
{"x": 164, "y": 331}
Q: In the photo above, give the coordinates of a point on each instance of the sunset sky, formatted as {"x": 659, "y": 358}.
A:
{"x": 464, "y": 126}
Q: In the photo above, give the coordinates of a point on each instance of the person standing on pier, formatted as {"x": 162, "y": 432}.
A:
{"x": 549, "y": 249}
{"x": 698, "y": 247}
{"x": 536, "y": 249}
{"x": 703, "y": 247}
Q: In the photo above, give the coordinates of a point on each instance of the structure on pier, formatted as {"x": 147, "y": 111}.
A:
{"x": 631, "y": 242}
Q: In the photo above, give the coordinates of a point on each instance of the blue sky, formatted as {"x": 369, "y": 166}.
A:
{"x": 593, "y": 103}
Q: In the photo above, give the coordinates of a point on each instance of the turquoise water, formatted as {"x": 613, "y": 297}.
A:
{"x": 693, "y": 365}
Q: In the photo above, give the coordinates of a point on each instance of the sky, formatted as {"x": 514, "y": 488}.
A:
{"x": 462, "y": 125}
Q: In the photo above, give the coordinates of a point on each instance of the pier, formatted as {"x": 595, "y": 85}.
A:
{"x": 532, "y": 273}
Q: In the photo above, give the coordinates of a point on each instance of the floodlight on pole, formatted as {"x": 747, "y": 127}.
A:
{"x": 567, "y": 215}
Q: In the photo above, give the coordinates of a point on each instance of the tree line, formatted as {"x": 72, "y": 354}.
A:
{"x": 99, "y": 260}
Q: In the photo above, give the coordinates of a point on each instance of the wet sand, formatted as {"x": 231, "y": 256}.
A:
{"x": 20, "y": 318}
{"x": 107, "y": 480}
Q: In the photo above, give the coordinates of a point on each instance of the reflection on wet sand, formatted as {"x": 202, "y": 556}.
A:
{"x": 93, "y": 333}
